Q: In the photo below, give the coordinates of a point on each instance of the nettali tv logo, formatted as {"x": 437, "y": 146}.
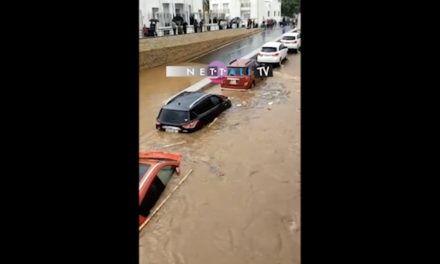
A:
{"x": 217, "y": 71}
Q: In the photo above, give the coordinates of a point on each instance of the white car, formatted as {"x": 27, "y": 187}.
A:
{"x": 272, "y": 52}
{"x": 292, "y": 40}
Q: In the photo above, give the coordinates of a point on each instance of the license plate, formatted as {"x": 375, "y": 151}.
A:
{"x": 233, "y": 82}
{"x": 172, "y": 129}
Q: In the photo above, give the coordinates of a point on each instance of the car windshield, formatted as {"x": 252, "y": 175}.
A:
{"x": 268, "y": 49}
{"x": 143, "y": 168}
{"x": 289, "y": 38}
{"x": 237, "y": 71}
{"x": 173, "y": 116}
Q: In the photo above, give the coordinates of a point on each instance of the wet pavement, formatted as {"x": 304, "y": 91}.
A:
{"x": 243, "y": 47}
{"x": 241, "y": 204}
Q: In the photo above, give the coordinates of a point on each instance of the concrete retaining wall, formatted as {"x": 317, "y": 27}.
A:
{"x": 154, "y": 52}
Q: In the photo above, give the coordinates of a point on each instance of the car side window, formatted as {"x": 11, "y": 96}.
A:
{"x": 151, "y": 197}
{"x": 215, "y": 100}
{"x": 203, "y": 106}
{"x": 193, "y": 115}
{"x": 165, "y": 174}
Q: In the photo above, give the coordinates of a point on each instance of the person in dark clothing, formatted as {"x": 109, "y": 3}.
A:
{"x": 201, "y": 25}
{"x": 173, "y": 26}
{"x": 195, "y": 24}
{"x": 145, "y": 31}
{"x": 184, "y": 27}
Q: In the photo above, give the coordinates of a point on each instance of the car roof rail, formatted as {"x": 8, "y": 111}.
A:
{"x": 169, "y": 100}
{"x": 232, "y": 61}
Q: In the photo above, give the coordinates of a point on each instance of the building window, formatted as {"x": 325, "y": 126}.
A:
{"x": 215, "y": 6}
{"x": 268, "y": 13}
{"x": 155, "y": 12}
{"x": 245, "y": 4}
{"x": 274, "y": 13}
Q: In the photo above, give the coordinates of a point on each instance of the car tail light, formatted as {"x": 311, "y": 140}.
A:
{"x": 191, "y": 124}
{"x": 276, "y": 54}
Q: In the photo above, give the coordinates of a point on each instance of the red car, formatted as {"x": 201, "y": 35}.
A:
{"x": 240, "y": 74}
{"x": 155, "y": 170}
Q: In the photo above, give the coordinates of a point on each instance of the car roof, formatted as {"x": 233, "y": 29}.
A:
{"x": 240, "y": 62}
{"x": 291, "y": 34}
{"x": 272, "y": 44}
{"x": 183, "y": 101}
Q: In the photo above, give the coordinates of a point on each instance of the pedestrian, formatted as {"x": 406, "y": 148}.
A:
{"x": 184, "y": 27}
{"x": 179, "y": 28}
{"x": 174, "y": 26}
{"x": 201, "y": 25}
{"x": 195, "y": 24}
{"x": 145, "y": 30}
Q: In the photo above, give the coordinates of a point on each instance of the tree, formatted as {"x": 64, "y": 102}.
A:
{"x": 290, "y": 7}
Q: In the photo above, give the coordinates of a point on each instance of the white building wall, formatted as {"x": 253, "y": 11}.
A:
{"x": 146, "y": 8}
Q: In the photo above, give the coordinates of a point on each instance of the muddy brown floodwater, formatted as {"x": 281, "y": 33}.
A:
{"x": 241, "y": 204}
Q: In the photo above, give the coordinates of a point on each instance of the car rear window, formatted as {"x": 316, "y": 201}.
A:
{"x": 143, "y": 169}
{"x": 268, "y": 49}
{"x": 289, "y": 38}
{"x": 173, "y": 116}
{"x": 238, "y": 71}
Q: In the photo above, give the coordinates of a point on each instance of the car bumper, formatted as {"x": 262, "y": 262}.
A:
{"x": 291, "y": 45}
{"x": 236, "y": 86}
{"x": 268, "y": 59}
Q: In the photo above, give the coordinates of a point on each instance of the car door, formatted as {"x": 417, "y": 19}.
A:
{"x": 283, "y": 51}
{"x": 209, "y": 109}
{"x": 217, "y": 105}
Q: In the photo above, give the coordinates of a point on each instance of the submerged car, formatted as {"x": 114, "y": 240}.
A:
{"x": 292, "y": 41}
{"x": 272, "y": 52}
{"x": 190, "y": 111}
{"x": 241, "y": 74}
{"x": 155, "y": 171}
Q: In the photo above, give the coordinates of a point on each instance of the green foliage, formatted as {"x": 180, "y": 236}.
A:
{"x": 290, "y": 7}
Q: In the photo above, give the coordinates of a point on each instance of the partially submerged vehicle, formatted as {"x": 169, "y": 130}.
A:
{"x": 155, "y": 171}
{"x": 190, "y": 111}
{"x": 241, "y": 74}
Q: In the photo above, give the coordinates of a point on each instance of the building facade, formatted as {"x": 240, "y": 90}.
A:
{"x": 255, "y": 9}
{"x": 165, "y": 10}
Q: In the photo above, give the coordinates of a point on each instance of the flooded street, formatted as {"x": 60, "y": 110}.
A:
{"x": 241, "y": 204}
{"x": 155, "y": 87}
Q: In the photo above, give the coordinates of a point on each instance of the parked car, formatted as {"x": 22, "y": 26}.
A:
{"x": 190, "y": 111}
{"x": 155, "y": 171}
{"x": 292, "y": 41}
{"x": 241, "y": 74}
{"x": 272, "y": 52}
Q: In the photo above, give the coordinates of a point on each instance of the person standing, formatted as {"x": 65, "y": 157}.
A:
{"x": 173, "y": 25}
{"x": 195, "y": 25}
{"x": 145, "y": 30}
{"x": 184, "y": 27}
{"x": 201, "y": 25}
